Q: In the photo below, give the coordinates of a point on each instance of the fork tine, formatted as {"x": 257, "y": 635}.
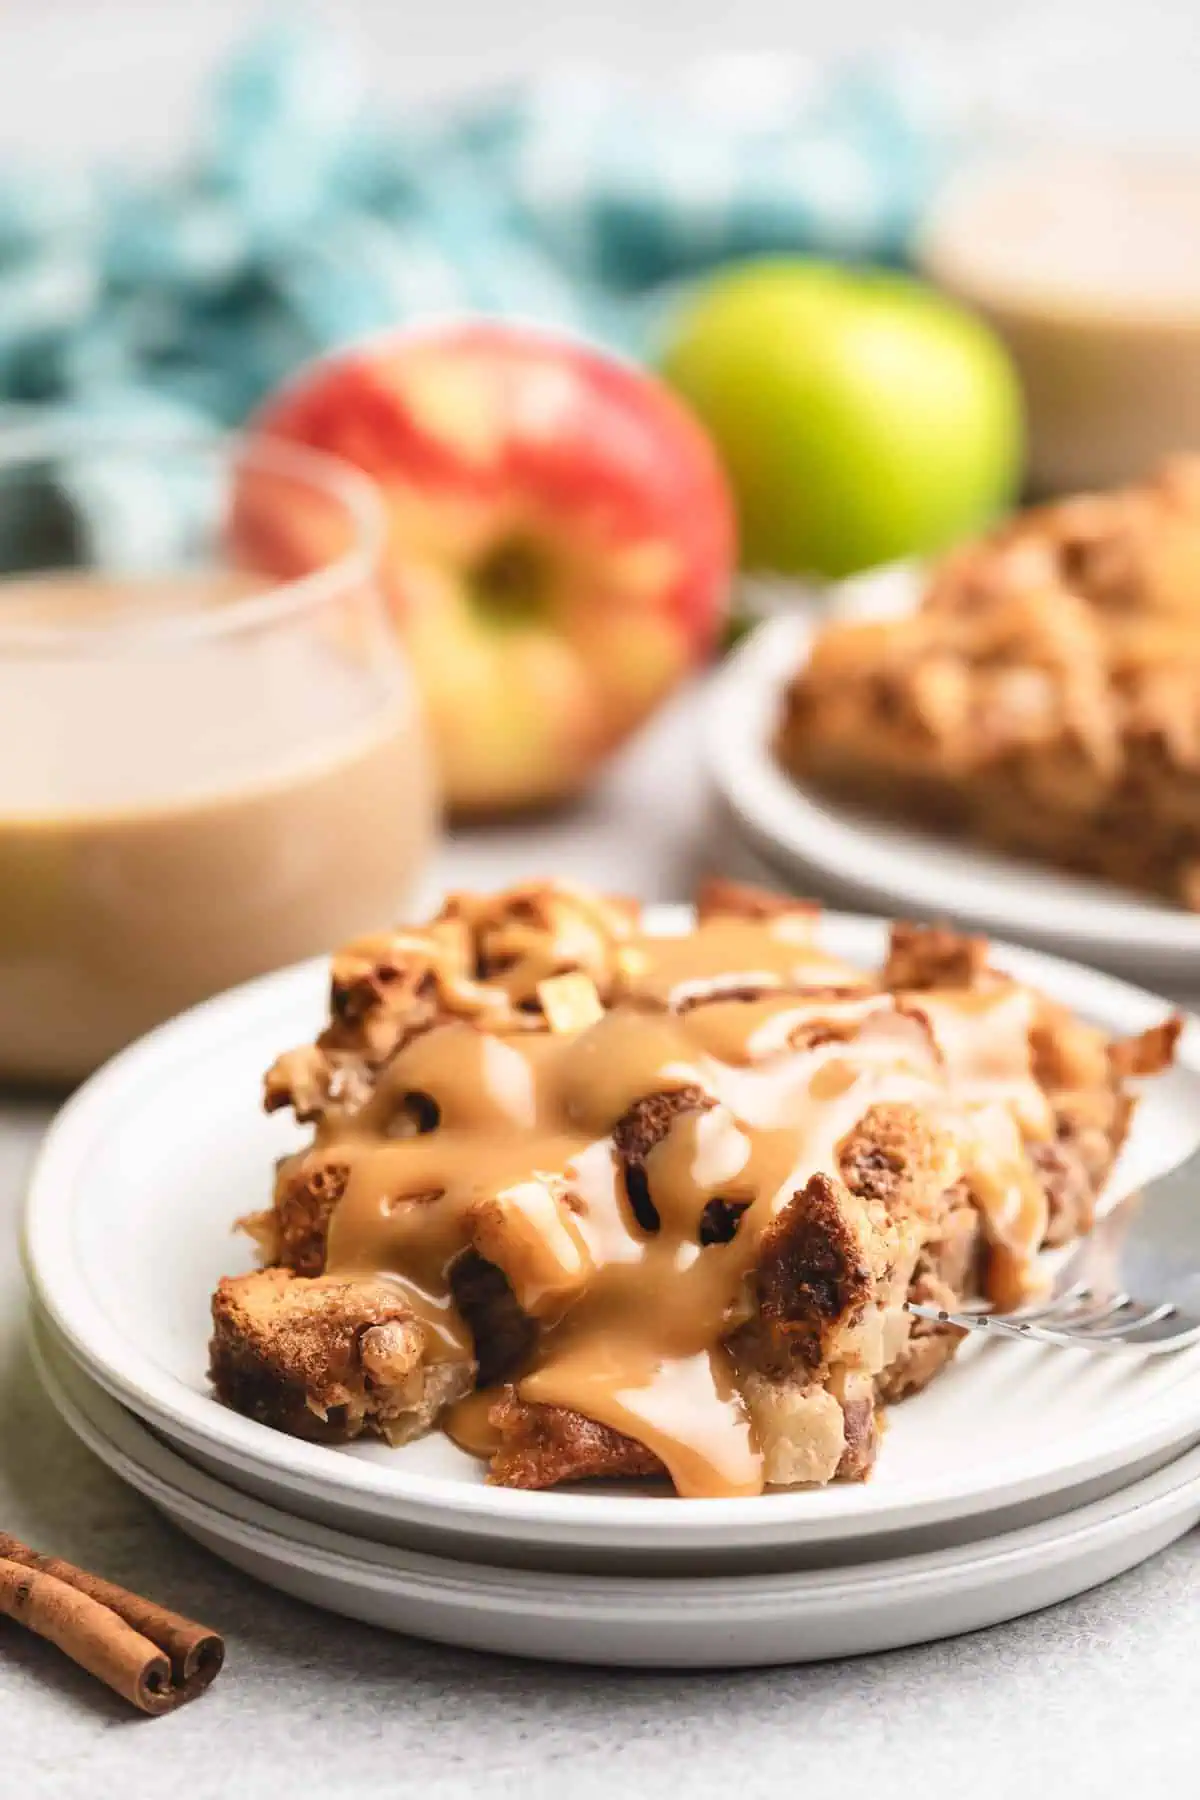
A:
{"x": 1057, "y": 1306}
{"x": 1121, "y": 1321}
{"x": 937, "y": 1315}
{"x": 1165, "y": 1335}
{"x": 1087, "y": 1318}
{"x": 1060, "y": 1338}
{"x": 1161, "y": 1328}
{"x": 999, "y": 1326}
{"x": 1178, "y": 1339}
{"x": 1150, "y": 1331}
{"x": 996, "y": 1324}
{"x": 1077, "y": 1307}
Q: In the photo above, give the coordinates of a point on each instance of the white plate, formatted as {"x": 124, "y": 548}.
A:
{"x": 128, "y": 1227}
{"x": 900, "y": 869}
{"x": 800, "y": 1551}
{"x": 718, "y": 1622}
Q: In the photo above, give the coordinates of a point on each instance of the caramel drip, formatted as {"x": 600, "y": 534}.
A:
{"x": 504, "y": 1144}
{"x": 983, "y": 1037}
{"x": 729, "y": 954}
{"x": 468, "y": 1424}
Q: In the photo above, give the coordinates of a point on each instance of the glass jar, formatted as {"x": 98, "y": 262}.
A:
{"x": 205, "y": 771}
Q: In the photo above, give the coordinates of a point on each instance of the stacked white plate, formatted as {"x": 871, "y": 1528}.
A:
{"x": 773, "y": 828}
{"x": 1023, "y": 1475}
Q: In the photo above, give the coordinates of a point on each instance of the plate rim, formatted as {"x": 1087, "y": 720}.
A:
{"x": 817, "y": 837}
{"x": 168, "y": 1478}
{"x": 447, "y": 1504}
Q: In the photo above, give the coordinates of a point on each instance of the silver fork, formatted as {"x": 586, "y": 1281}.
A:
{"x": 1133, "y": 1283}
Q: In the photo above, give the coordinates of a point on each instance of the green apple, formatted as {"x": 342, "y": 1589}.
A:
{"x": 861, "y": 416}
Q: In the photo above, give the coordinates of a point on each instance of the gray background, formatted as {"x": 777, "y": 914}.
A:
{"x": 120, "y": 75}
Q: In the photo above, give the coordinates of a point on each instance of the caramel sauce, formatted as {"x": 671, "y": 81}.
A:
{"x": 502, "y": 1140}
{"x": 731, "y": 953}
{"x": 468, "y": 1424}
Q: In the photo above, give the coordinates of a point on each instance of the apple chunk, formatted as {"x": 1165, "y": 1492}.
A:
{"x": 560, "y": 540}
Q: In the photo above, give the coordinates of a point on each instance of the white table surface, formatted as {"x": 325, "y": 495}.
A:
{"x": 1095, "y": 1698}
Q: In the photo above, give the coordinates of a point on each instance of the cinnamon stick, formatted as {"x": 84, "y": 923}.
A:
{"x": 156, "y": 1659}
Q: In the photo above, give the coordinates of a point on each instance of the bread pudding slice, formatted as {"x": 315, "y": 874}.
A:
{"x": 1133, "y": 552}
{"x": 1043, "y": 699}
{"x": 604, "y": 1203}
{"x": 326, "y": 1358}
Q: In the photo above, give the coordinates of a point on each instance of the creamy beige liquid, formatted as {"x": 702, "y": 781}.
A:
{"x": 1089, "y": 268}
{"x": 172, "y": 823}
{"x": 1115, "y": 235}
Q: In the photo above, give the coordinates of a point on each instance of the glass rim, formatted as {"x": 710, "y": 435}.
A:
{"x": 277, "y": 600}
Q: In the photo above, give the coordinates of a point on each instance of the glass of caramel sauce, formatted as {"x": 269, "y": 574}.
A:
{"x": 207, "y": 769}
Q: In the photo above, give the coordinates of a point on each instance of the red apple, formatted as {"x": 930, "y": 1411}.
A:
{"x": 560, "y": 543}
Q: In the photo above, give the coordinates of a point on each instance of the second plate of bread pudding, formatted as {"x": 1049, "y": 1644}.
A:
{"x": 580, "y": 1193}
{"x": 1036, "y": 696}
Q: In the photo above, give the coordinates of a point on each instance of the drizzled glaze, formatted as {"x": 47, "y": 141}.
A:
{"x": 521, "y": 1165}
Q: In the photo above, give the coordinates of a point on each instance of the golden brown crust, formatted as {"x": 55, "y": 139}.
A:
{"x": 540, "y": 929}
{"x": 1068, "y": 1053}
{"x": 815, "y": 1274}
{"x": 636, "y": 1133}
{"x": 1149, "y": 1053}
{"x": 481, "y": 958}
{"x": 329, "y": 1358}
{"x": 718, "y": 898}
{"x": 544, "y": 1446}
{"x": 312, "y": 1081}
{"x": 929, "y": 1348}
{"x": 1135, "y": 551}
{"x": 307, "y": 1191}
{"x": 922, "y": 957}
{"x": 895, "y": 1155}
{"x": 383, "y": 991}
{"x": 1084, "y": 1075}
{"x": 648, "y": 1120}
{"x": 1044, "y": 698}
